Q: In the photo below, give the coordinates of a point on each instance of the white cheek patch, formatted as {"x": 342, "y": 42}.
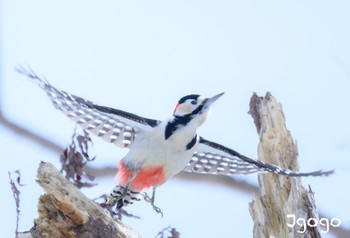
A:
{"x": 184, "y": 109}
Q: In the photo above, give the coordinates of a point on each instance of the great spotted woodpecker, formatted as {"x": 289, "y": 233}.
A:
{"x": 158, "y": 149}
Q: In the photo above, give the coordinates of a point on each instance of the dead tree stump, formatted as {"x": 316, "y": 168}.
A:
{"x": 280, "y": 197}
{"x": 64, "y": 211}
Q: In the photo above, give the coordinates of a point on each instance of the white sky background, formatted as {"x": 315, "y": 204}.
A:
{"x": 142, "y": 56}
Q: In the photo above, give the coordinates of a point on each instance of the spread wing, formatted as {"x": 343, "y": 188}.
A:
{"x": 213, "y": 158}
{"x": 112, "y": 125}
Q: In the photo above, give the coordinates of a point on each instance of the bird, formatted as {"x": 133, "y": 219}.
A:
{"x": 158, "y": 149}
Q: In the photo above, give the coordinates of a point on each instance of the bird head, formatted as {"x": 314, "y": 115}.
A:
{"x": 194, "y": 106}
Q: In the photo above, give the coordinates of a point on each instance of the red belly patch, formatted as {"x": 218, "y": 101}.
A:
{"x": 145, "y": 177}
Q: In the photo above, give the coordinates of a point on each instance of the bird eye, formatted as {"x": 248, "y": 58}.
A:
{"x": 194, "y": 102}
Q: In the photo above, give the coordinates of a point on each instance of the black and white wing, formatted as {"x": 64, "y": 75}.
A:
{"x": 112, "y": 125}
{"x": 213, "y": 158}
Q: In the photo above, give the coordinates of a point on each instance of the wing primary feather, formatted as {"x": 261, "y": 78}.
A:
{"x": 113, "y": 125}
{"x": 50, "y": 90}
{"x": 246, "y": 165}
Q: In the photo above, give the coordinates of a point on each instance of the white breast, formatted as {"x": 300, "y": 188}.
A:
{"x": 150, "y": 149}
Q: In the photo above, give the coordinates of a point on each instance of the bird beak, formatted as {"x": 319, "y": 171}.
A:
{"x": 213, "y": 99}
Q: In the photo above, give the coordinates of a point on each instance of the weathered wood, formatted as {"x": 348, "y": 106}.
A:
{"x": 64, "y": 211}
{"x": 279, "y": 195}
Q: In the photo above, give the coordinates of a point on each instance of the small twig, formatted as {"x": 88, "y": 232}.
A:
{"x": 173, "y": 233}
{"x": 16, "y": 193}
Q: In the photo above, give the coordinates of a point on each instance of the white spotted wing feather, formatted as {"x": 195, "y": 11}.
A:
{"x": 208, "y": 159}
{"x": 213, "y": 158}
{"x": 112, "y": 125}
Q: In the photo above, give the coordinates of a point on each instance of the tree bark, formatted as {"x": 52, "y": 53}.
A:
{"x": 280, "y": 197}
{"x": 64, "y": 211}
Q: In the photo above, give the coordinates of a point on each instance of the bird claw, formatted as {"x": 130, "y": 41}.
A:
{"x": 151, "y": 201}
{"x": 157, "y": 209}
{"x": 147, "y": 198}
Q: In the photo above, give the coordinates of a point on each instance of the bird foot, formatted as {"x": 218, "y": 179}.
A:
{"x": 117, "y": 197}
{"x": 157, "y": 209}
{"x": 151, "y": 201}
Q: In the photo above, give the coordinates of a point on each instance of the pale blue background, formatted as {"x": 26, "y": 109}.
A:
{"x": 142, "y": 56}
